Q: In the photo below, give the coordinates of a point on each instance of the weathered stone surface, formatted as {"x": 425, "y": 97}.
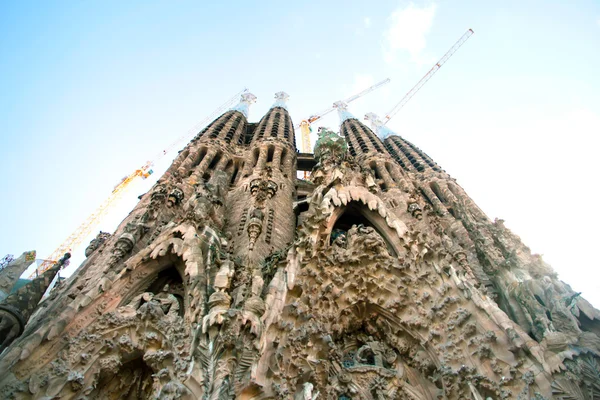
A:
{"x": 385, "y": 282}
{"x": 10, "y": 273}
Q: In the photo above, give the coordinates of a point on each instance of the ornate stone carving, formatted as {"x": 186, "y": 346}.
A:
{"x": 96, "y": 243}
{"x": 263, "y": 189}
{"x": 175, "y": 197}
{"x": 254, "y": 227}
{"x": 12, "y": 270}
{"x": 394, "y": 285}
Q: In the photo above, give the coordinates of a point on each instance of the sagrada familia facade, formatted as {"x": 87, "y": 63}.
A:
{"x": 375, "y": 278}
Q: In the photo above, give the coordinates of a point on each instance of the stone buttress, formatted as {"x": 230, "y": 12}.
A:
{"x": 261, "y": 204}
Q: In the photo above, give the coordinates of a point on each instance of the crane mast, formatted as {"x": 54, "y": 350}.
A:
{"x": 83, "y": 230}
{"x": 427, "y": 76}
{"x": 305, "y": 124}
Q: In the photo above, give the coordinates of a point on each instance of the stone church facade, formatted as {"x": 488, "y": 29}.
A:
{"x": 376, "y": 278}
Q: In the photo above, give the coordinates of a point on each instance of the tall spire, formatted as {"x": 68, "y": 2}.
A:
{"x": 380, "y": 129}
{"x": 16, "y": 309}
{"x": 343, "y": 111}
{"x": 244, "y": 105}
{"x": 281, "y": 99}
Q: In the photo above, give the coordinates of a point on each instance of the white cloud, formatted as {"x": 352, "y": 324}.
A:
{"x": 367, "y": 22}
{"x": 407, "y": 30}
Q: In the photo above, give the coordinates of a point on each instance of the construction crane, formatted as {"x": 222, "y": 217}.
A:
{"x": 423, "y": 80}
{"x": 74, "y": 240}
{"x": 304, "y": 125}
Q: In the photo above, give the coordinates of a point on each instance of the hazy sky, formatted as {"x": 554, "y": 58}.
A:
{"x": 90, "y": 90}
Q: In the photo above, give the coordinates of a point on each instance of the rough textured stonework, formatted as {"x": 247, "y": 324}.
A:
{"x": 9, "y": 275}
{"x": 378, "y": 279}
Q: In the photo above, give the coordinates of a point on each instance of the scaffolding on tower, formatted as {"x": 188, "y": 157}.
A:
{"x": 83, "y": 230}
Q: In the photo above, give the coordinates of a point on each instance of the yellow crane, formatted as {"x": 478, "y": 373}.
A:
{"x": 74, "y": 240}
{"x": 378, "y": 123}
{"x": 304, "y": 125}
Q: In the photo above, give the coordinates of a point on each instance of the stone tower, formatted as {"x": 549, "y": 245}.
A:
{"x": 378, "y": 278}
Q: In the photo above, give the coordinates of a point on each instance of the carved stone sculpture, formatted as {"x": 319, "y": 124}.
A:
{"x": 377, "y": 277}
{"x": 10, "y": 273}
{"x": 96, "y": 243}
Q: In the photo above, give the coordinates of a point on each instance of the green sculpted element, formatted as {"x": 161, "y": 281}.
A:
{"x": 329, "y": 145}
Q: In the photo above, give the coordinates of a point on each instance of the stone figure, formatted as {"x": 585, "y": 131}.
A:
{"x": 96, "y": 243}
{"x": 262, "y": 285}
{"x": 161, "y": 304}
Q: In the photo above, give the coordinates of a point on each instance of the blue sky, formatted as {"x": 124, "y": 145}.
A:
{"x": 90, "y": 90}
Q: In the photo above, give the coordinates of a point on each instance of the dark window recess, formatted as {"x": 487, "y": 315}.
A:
{"x": 201, "y": 155}
{"x": 255, "y": 157}
{"x": 353, "y": 216}
{"x": 275, "y": 128}
{"x": 262, "y": 126}
{"x": 361, "y": 142}
{"x": 288, "y": 129}
{"x": 233, "y": 129}
{"x": 215, "y": 161}
{"x": 374, "y": 139}
{"x": 269, "y": 226}
{"x": 270, "y": 152}
{"x": 243, "y": 221}
{"x": 225, "y": 118}
{"x": 282, "y": 159}
{"x": 350, "y": 147}
{"x": 249, "y": 134}
{"x": 234, "y": 173}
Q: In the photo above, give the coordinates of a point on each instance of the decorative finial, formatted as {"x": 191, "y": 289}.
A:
{"x": 244, "y": 105}
{"x": 281, "y": 99}
{"x": 378, "y": 126}
{"x": 343, "y": 111}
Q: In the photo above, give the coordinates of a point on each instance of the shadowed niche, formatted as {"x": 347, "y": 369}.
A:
{"x": 357, "y": 215}
{"x": 132, "y": 381}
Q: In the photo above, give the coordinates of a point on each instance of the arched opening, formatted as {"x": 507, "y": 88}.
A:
{"x": 183, "y": 155}
{"x": 367, "y": 346}
{"x": 373, "y": 167}
{"x": 355, "y": 214}
{"x": 201, "y": 155}
{"x": 282, "y": 159}
{"x": 133, "y": 381}
{"x": 234, "y": 173}
{"x": 229, "y": 166}
{"x": 215, "y": 160}
{"x": 163, "y": 281}
{"x": 351, "y": 216}
{"x": 379, "y": 176}
{"x": 270, "y": 153}
{"x": 171, "y": 278}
